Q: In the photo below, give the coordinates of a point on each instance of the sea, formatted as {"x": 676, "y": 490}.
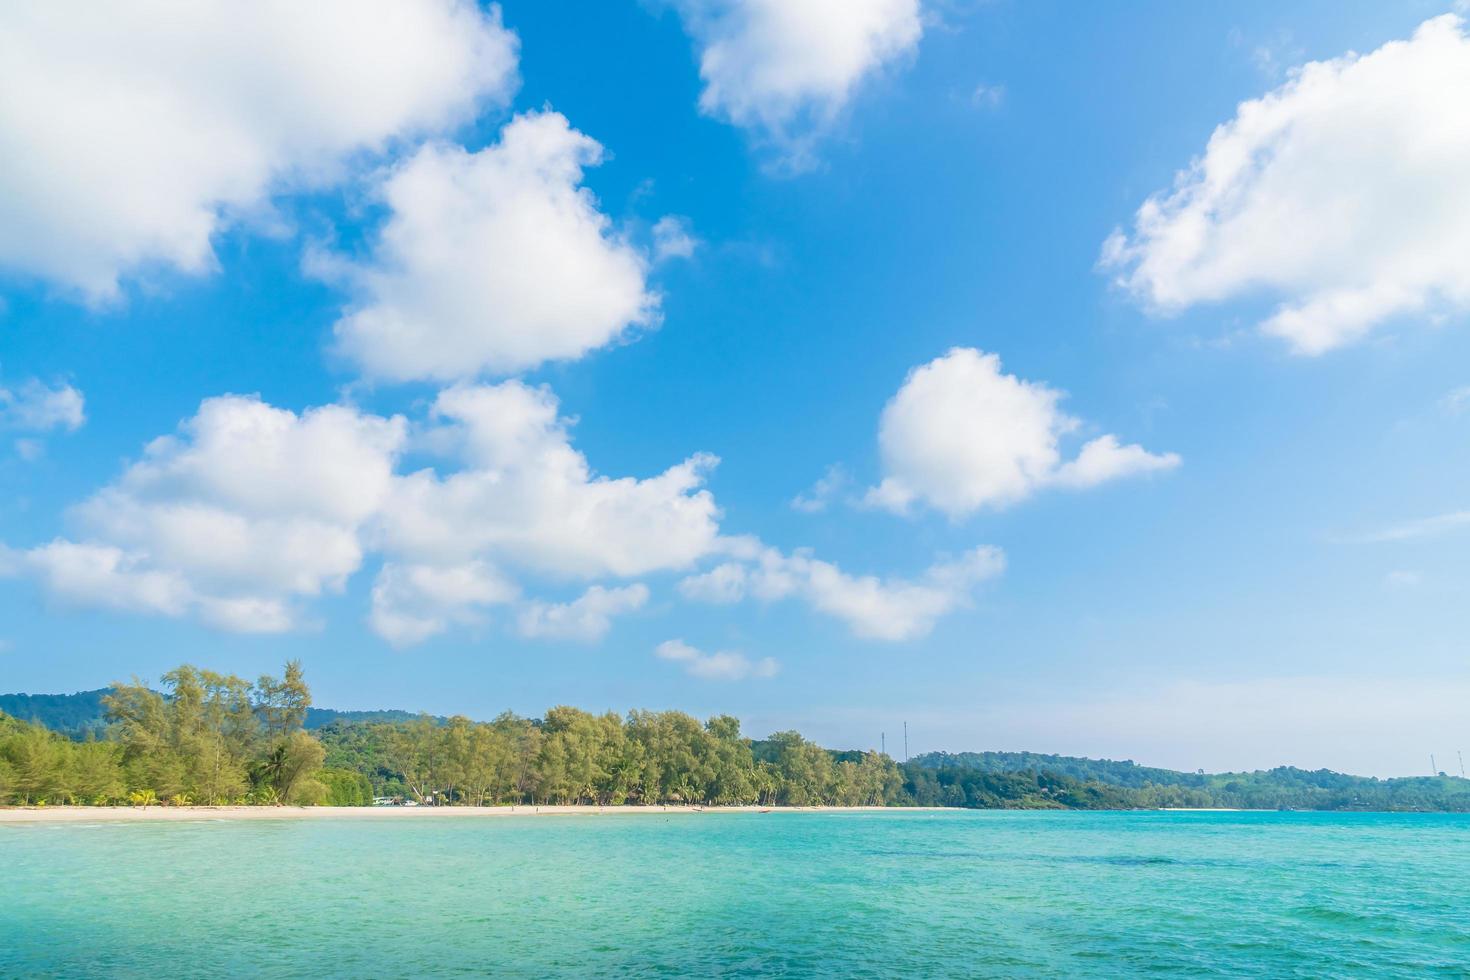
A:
{"x": 782, "y": 894}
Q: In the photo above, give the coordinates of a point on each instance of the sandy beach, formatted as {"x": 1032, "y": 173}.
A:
{"x": 127, "y": 814}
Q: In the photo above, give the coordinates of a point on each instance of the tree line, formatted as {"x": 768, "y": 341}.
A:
{"x": 573, "y": 756}
{"x": 208, "y": 738}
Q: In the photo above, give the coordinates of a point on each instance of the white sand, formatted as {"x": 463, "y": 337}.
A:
{"x": 95, "y": 814}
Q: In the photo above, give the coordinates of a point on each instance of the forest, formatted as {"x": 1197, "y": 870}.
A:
{"x": 206, "y": 738}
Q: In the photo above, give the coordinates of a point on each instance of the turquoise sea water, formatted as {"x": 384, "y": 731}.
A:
{"x": 782, "y": 894}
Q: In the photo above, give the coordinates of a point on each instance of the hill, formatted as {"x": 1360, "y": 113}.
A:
{"x": 972, "y": 776}
{"x": 80, "y": 714}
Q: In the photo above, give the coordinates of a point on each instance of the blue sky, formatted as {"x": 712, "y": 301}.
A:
{"x": 409, "y": 266}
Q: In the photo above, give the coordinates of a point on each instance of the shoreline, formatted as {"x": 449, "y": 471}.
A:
{"x": 20, "y": 815}
{"x": 132, "y": 814}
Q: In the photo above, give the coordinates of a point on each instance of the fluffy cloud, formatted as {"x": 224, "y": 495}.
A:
{"x": 101, "y": 575}
{"x": 961, "y": 435}
{"x": 132, "y": 133}
{"x": 587, "y": 618}
{"x": 414, "y": 602}
{"x": 523, "y": 499}
{"x": 875, "y": 608}
{"x": 38, "y": 407}
{"x": 248, "y": 508}
{"x": 786, "y": 70}
{"x": 251, "y": 509}
{"x": 107, "y": 577}
{"x": 721, "y": 666}
{"x": 524, "y": 495}
{"x": 1341, "y": 193}
{"x": 492, "y": 262}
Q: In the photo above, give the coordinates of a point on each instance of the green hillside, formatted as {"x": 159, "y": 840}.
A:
{"x": 80, "y": 714}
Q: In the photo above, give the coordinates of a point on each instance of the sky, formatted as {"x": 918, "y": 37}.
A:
{"x": 1069, "y": 378}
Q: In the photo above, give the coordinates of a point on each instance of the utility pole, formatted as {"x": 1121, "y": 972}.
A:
{"x": 1462, "y": 762}
{"x": 905, "y": 741}
{"x": 883, "y": 743}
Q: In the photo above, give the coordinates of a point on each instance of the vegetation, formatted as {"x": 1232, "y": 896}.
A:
{"x": 208, "y": 738}
{"x": 74, "y": 715}
{"x": 988, "y": 779}
{"x": 572, "y": 756}
{"x": 78, "y": 715}
{"x": 205, "y": 738}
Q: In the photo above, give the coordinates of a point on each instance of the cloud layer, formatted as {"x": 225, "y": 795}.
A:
{"x": 130, "y": 139}
{"x": 1341, "y": 193}
{"x": 962, "y": 435}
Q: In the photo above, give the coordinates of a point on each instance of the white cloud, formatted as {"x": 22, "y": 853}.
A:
{"x": 1401, "y": 578}
{"x": 587, "y": 618}
{"x": 250, "y": 511}
{"x": 672, "y": 238}
{"x": 492, "y": 262}
{"x": 527, "y": 498}
{"x": 133, "y": 133}
{"x": 38, "y": 407}
{"x": 720, "y": 666}
{"x": 101, "y": 575}
{"x": 961, "y": 435}
{"x": 1341, "y": 193}
{"x": 523, "y": 499}
{"x": 1103, "y": 459}
{"x": 872, "y": 607}
{"x": 786, "y": 70}
{"x": 248, "y": 508}
{"x": 822, "y": 493}
{"x": 414, "y": 602}
{"x": 1425, "y": 527}
{"x": 724, "y": 584}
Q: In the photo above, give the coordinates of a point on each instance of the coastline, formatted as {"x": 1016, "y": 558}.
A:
{"x": 132, "y": 814}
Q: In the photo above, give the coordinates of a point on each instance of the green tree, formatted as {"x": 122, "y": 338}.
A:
{"x": 345, "y": 787}
{"x": 38, "y": 763}
{"x": 289, "y": 766}
{"x": 97, "y": 773}
{"x": 281, "y": 704}
{"x": 412, "y": 750}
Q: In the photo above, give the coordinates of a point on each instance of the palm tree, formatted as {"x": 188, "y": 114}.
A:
{"x": 143, "y": 798}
